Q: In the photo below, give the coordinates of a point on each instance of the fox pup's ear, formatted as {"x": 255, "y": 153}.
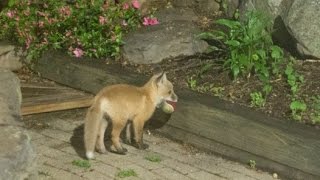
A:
{"x": 161, "y": 78}
{"x": 157, "y": 70}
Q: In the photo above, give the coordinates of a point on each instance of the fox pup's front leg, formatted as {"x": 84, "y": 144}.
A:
{"x": 129, "y": 130}
{"x": 138, "y": 133}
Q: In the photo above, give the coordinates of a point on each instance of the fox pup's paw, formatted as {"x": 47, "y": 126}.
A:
{"x": 140, "y": 145}
{"x": 121, "y": 151}
{"x": 89, "y": 155}
{"x": 102, "y": 150}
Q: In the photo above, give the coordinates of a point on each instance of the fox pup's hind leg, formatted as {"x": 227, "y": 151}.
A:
{"x": 117, "y": 126}
{"x": 100, "y": 140}
{"x": 92, "y": 122}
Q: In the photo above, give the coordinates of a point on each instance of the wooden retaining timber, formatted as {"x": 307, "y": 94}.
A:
{"x": 290, "y": 149}
{"x": 44, "y": 97}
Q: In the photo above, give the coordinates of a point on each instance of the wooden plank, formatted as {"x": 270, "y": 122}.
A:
{"x": 56, "y": 106}
{"x": 288, "y": 148}
{"x": 43, "y": 97}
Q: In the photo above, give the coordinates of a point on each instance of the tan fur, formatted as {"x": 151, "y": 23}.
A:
{"x": 121, "y": 103}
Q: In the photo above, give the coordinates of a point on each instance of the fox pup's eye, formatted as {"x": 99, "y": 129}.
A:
{"x": 169, "y": 92}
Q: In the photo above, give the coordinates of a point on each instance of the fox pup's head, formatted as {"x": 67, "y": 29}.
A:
{"x": 165, "y": 89}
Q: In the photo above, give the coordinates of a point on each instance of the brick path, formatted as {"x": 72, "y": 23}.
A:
{"x": 57, "y": 144}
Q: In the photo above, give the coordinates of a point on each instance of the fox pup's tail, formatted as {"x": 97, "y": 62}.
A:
{"x": 91, "y": 129}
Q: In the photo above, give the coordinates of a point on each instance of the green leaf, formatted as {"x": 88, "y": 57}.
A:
{"x": 235, "y": 71}
{"x": 206, "y": 35}
{"x": 276, "y": 52}
{"x": 267, "y": 89}
{"x": 289, "y": 69}
{"x": 229, "y": 23}
{"x": 298, "y": 106}
{"x": 12, "y": 2}
{"x": 234, "y": 43}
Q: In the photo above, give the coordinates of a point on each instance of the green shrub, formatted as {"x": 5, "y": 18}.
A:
{"x": 257, "y": 100}
{"x": 89, "y": 28}
{"x": 249, "y": 46}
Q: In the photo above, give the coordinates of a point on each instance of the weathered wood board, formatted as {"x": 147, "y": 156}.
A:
{"x": 44, "y": 97}
{"x": 287, "y": 148}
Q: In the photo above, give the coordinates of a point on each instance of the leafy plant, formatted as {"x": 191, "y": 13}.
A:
{"x": 249, "y": 46}
{"x": 81, "y": 163}
{"x": 126, "y": 173}
{"x": 252, "y": 164}
{"x": 153, "y": 158}
{"x": 192, "y": 82}
{"x": 217, "y": 91}
{"x": 293, "y": 78}
{"x": 257, "y": 99}
{"x": 297, "y": 108}
{"x": 295, "y": 81}
{"x": 315, "y": 115}
{"x": 83, "y": 28}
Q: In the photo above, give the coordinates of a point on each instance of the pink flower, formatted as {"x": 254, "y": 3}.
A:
{"x": 10, "y": 14}
{"x": 26, "y": 12}
{"x": 45, "y": 41}
{"x": 153, "y": 21}
{"x": 42, "y": 14}
{"x": 28, "y": 42}
{"x": 51, "y": 20}
{"x": 135, "y": 4}
{"x": 124, "y": 23}
{"x": 125, "y": 6}
{"x": 102, "y": 20}
{"x": 41, "y": 24}
{"x": 150, "y": 21}
{"x": 105, "y": 5}
{"x": 68, "y": 33}
{"x": 65, "y": 11}
{"x": 77, "y": 52}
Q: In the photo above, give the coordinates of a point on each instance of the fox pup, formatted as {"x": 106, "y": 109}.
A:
{"x": 120, "y": 104}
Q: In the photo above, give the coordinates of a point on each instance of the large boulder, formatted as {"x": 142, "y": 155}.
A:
{"x": 302, "y": 21}
{"x": 175, "y": 36}
{"x": 296, "y": 27}
{"x": 202, "y": 7}
{"x": 9, "y": 58}
{"x": 16, "y": 153}
{"x": 271, "y": 7}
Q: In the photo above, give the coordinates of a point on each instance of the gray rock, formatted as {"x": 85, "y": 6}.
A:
{"x": 271, "y": 7}
{"x": 303, "y": 24}
{"x": 9, "y": 59}
{"x": 208, "y": 7}
{"x": 10, "y": 94}
{"x": 232, "y": 6}
{"x": 183, "y": 3}
{"x": 296, "y": 27}
{"x": 16, "y": 153}
{"x": 173, "y": 37}
{"x": 5, "y": 47}
{"x": 202, "y": 7}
